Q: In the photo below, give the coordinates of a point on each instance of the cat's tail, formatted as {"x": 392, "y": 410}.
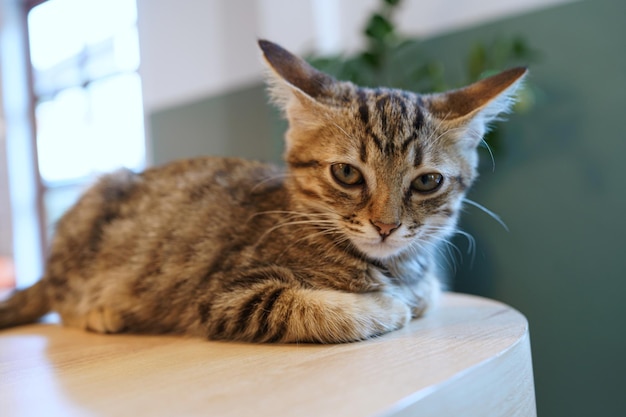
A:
{"x": 24, "y": 306}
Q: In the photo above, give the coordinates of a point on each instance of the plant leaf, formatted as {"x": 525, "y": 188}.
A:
{"x": 379, "y": 28}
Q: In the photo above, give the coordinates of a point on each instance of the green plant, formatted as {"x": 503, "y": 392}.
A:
{"x": 393, "y": 60}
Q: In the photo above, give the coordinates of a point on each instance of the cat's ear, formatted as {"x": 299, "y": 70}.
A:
{"x": 478, "y": 104}
{"x": 292, "y": 77}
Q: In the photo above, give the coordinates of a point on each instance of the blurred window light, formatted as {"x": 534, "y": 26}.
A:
{"x": 88, "y": 103}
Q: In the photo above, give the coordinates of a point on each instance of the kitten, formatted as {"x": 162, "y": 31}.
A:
{"x": 336, "y": 248}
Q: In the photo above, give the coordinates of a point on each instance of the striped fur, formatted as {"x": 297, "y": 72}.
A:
{"x": 338, "y": 247}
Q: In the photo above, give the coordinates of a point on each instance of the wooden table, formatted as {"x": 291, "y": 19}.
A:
{"x": 471, "y": 357}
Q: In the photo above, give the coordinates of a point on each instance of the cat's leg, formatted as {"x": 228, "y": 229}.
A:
{"x": 424, "y": 294}
{"x": 277, "y": 313}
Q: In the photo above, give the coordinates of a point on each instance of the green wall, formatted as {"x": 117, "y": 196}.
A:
{"x": 240, "y": 123}
{"x": 559, "y": 184}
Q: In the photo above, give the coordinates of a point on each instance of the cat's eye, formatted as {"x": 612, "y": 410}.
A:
{"x": 427, "y": 183}
{"x": 346, "y": 174}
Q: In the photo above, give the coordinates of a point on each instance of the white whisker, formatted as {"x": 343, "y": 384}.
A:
{"x": 488, "y": 212}
{"x": 269, "y": 179}
{"x": 493, "y": 160}
{"x": 471, "y": 242}
{"x": 292, "y": 214}
{"x": 342, "y": 130}
{"x": 333, "y": 231}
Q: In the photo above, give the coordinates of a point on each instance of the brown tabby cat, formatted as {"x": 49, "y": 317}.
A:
{"x": 337, "y": 248}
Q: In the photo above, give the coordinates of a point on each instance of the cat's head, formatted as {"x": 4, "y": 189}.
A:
{"x": 386, "y": 169}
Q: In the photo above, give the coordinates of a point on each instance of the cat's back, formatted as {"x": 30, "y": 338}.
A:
{"x": 209, "y": 179}
{"x": 125, "y": 214}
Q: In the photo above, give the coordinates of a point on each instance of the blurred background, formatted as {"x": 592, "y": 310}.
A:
{"x": 90, "y": 85}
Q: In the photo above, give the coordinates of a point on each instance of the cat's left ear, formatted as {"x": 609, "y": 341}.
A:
{"x": 294, "y": 77}
{"x": 478, "y": 104}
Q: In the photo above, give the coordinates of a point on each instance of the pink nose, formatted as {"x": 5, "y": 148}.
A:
{"x": 385, "y": 229}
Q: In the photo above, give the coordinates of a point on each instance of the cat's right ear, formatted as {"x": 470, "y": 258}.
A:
{"x": 292, "y": 76}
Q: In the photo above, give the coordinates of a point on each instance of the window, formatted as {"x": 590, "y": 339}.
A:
{"x": 87, "y": 93}
{"x": 69, "y": 74}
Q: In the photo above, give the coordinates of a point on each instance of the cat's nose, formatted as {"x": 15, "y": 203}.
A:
{"x": 385, "y": 229}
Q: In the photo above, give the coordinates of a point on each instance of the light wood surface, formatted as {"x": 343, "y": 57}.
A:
{"x": 470, "y": 357}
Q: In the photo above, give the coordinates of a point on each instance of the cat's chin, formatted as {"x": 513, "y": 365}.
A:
{"x": 379, "y": 249}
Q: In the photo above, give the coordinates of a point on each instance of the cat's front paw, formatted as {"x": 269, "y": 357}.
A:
{"x": 347, "y": 317}
{"x": 387, "y": 314}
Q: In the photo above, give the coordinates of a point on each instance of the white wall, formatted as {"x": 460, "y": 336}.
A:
{"x": 192, "y": 49}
